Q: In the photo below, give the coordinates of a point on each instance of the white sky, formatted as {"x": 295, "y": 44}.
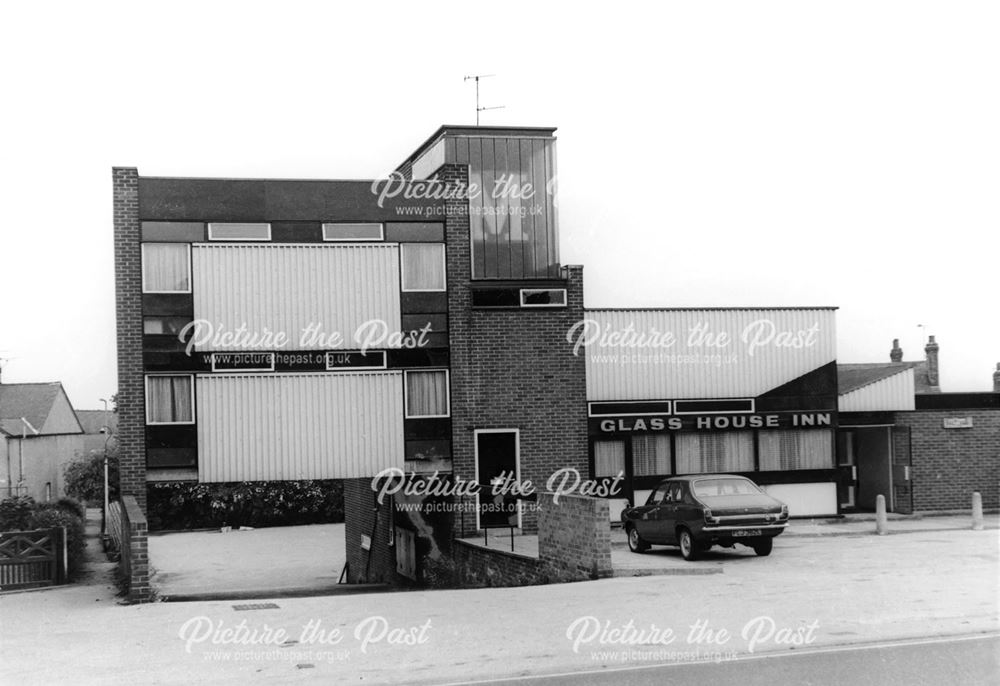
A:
{"x": 765, "y": 153}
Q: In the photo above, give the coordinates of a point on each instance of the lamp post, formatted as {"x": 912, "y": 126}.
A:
{"x": 107, "y": 430}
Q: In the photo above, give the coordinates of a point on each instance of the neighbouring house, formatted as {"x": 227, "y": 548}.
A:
{"x": 901, "y": 437}
{"x": 41, "y": 434}
{"x": 100, "y": 428}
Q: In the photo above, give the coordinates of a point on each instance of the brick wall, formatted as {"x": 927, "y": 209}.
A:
{"x": 512, "y": 369}
{"x": 361, "y": 518}
{"x": 949, "y": 464}
{"x": 134, "y": 559}
{"x": 574, "y": 536}
{"x": 574, "y": 544}
{"x": 128, "y": 302}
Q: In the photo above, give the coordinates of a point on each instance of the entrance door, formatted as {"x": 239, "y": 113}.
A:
{"x": 847, "y": 469}
{"x": 874, "y": 457}
{"x": 496, "y": 458}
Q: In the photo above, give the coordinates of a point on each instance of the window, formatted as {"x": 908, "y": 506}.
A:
{"x": 609, "y": 458}
{"x": 423, "y": 266}
{"x": 650, "y": 454}
{"x": 543, "y": 297}
{"x": 166, "y": 268}
{"x": 427, "y": 393}
{"x": 169, "y": 399}
{"x": 795, "y": 449}
{"x": 724, "y": 451}
{"x": 352, "y": 232}
{"x": 232, "y": 231}
{"x": 164, "y": 326}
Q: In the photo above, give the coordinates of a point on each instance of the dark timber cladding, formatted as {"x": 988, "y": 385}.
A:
{"x": 512, "y": 225}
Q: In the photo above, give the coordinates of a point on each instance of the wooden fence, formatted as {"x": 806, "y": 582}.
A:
{"x": 32, "y": 558}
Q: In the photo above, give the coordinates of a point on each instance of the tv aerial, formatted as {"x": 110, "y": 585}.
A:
{"x": 476, "y": 77}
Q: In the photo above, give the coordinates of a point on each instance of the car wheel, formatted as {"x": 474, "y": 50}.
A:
{"x": 689, "y": 549}
{"x": 763, "y": 546}
{"x": 635, "y": 542}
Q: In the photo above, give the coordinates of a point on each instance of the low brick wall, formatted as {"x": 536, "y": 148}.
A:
{"x": 574, "y": 544}
{"x": 134, "y": 551}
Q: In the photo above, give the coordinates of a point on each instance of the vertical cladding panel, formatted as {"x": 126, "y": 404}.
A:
{"x": 477, "y": 227}
{"x": 622, "y": 372}
{"x": 513, "y": 172}
{"x": 542, "y": 239}
{"x": 288, "y": 287}
{"x": 301, "y": 426}
{"x": 896, "y": 393}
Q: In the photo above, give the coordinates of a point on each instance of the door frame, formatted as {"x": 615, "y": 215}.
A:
{"x": 517, "y": 465}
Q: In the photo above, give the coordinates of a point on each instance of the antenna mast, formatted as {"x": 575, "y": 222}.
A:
{"x": 479, "y": 109}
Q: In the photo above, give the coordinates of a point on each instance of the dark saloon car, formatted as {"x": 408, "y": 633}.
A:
{"x": 698, "y": 511}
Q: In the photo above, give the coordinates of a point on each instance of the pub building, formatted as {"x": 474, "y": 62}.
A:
{"x": 748, "y": 391}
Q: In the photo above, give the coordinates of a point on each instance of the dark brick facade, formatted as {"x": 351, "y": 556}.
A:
{"x": 128, "y": 303}
{"x": 948, "y": 465}
{"x": 512, "y": 368}
{"x": 134, "y": 538}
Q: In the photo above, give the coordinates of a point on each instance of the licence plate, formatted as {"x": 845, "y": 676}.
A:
{"x": 747, "y": 532}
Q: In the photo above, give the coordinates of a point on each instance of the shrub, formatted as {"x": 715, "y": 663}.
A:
{"x": 85, "y": 476}
{"x": 247, "y": 503}
{"x": 15, "y": 513}
{"x": 49, "y": 517}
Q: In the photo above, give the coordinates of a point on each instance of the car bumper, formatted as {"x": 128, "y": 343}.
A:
{"x": 765, "y": 529}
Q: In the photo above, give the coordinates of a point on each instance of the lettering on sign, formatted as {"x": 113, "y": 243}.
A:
{"x": 958, "y": 422}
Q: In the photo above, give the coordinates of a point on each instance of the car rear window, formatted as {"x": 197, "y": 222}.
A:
{"x": 711, "y": 487}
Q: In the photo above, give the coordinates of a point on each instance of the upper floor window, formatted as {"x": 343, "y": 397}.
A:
{"x": 238, "y": 231}
{"x": 169, "y": 399}
{"x": 423, "y": 266}
{"x": 166, "y": 268}
{"x": 352, "y": 232}
{"x": 427, "y": 393}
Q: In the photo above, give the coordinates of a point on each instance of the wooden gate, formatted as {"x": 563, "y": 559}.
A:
{"x": 32, "y": 558}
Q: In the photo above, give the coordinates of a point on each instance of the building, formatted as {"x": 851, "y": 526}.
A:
{"x": 902, "y": 438}
{"x": 275, "y": 329}
{"x": 41, "y": 434}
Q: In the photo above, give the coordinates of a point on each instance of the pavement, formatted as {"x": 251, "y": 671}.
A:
{"x": 812, "y": 592}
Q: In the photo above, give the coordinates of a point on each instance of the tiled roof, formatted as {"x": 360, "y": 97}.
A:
{"x": 93, "y": 420}
{"x": 33, "y": 401}
{"x": 851, "y": 377}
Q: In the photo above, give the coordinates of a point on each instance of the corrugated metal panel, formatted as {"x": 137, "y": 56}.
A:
{"x": 288, "y": 287}
{"x": 299, "y": 426}
{"x": 895, "y": 393}
{"x": 745, "y": 367}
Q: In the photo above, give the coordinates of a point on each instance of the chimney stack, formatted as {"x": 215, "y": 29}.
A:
{"x": 931, "y": 349}
{"x": 896, "y": 354}
{"x": 996, "y": 379}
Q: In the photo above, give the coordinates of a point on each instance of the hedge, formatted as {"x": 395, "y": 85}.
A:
{"x": 176, "y": 506}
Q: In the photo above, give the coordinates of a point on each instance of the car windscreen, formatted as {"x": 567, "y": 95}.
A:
{"x": 721, "y": 487}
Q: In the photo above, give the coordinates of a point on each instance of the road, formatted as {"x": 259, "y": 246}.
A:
{"x": 968, "y": 661}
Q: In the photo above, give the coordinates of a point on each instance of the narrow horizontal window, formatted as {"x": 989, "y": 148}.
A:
{"x": 166, "y": 268}
{"x": 713, "y": 406}
{"x": 543, "y": 297}
{"x": 233, "y": 231}
{"x": 353, "y": 360}
{"x": 427, "y": 393}
{"x": 423, "y": 267}
{"x": 352, "y": 232}
{"x": 243, "y": 362}
{"x": 169, "y": 399}
{"x": 164, "y": 326}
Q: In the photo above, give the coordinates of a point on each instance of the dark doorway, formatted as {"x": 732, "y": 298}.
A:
{"x": 496, "y": 458}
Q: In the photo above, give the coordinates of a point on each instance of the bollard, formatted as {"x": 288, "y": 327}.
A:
{"x": 881, "y": 523}
{"x": 977, "y": 511}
